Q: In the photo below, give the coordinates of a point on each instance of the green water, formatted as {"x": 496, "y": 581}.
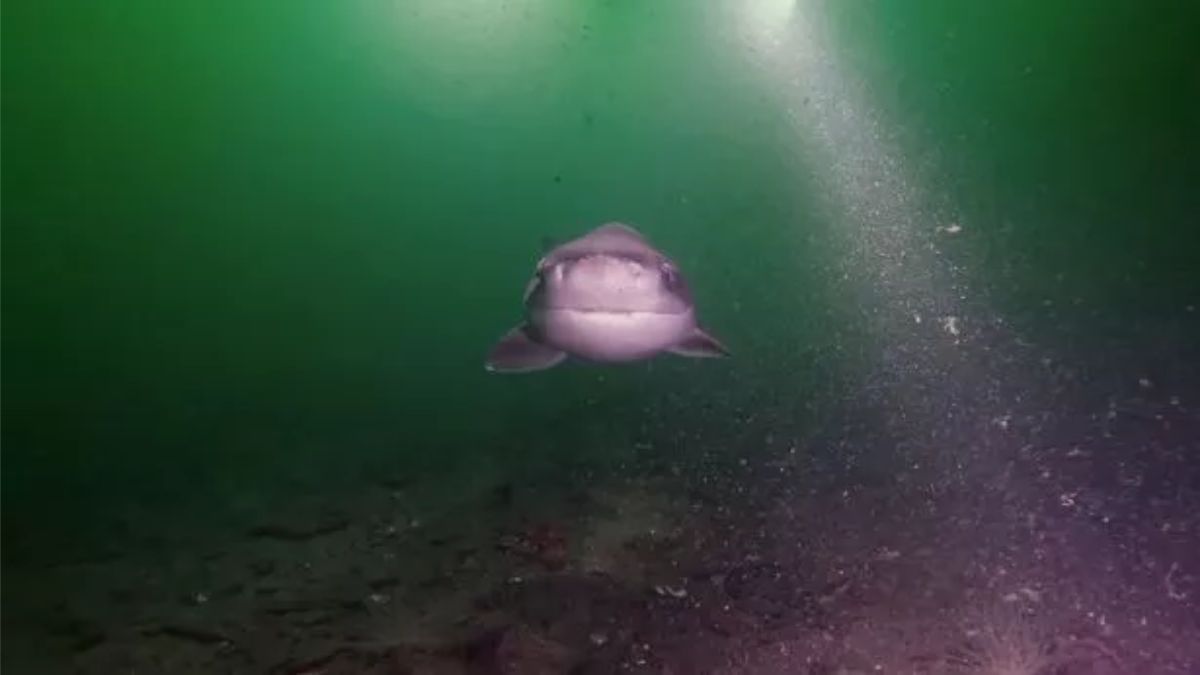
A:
{"x": 256, "y": 250}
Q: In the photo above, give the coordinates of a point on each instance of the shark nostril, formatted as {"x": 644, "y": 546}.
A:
{"x": 670, "y": 276}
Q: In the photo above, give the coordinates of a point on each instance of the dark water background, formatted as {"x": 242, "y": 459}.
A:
{"x": 253, "y": 251}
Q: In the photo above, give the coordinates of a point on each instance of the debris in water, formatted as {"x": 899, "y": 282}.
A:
{"x": 950, "y": 325}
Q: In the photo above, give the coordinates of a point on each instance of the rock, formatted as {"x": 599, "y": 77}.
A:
{"x": 383, "y": 583}
{"x": 420, "y": 662}
{"x": 518, "y": 650}
{"x": 299, "y": 531}
{"x": 192, "y": 633}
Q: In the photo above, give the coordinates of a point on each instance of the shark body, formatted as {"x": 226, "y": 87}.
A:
{"x": 609, "y": 297}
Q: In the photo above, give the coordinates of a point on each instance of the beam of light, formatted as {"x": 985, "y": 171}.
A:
{"x": 962, "y": 400}
{"x": 872, "y": 190}
{"x": 911, "y": 301}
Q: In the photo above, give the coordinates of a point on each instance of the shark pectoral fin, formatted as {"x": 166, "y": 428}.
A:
{"x": 700, "y": 345}
{"x": 516, "y": 352}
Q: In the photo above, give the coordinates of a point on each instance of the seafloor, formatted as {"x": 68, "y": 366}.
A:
{"x": 1057, "y": 533}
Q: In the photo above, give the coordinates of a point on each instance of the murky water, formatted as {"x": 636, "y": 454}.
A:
{"x": 254, "y": 255}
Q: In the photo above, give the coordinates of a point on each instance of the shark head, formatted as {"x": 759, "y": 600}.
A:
{"x": 608, "y": 296}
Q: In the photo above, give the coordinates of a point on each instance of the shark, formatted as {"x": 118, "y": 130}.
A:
{"x": 608, "y": 296}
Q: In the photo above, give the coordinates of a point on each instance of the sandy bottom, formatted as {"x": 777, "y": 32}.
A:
{"x": 1064, "y": 546}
